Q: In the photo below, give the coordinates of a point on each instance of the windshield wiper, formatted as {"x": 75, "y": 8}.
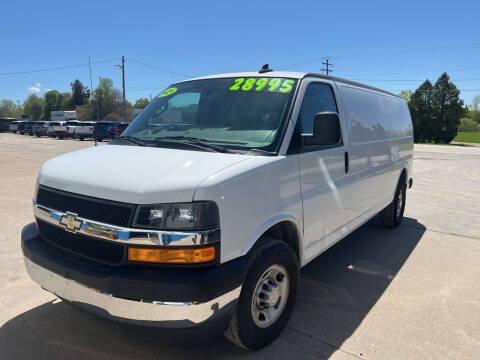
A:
{"x": 199, "y": 142}
{"x": 132, "y": 139}
{"x": 260, "y": 152}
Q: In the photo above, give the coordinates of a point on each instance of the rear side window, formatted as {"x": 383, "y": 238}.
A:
{"x": 318, "y": 98}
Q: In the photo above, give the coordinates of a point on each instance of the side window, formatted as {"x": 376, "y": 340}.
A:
{"x": 318, "y": 98}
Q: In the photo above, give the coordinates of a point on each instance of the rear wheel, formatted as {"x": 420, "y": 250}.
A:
{"x": 392, "y": 215}
{"x": 268, "y": 296}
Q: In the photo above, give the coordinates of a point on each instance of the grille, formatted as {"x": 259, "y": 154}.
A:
{"x": 109, "y": 212}
{"x": 95, "y": 249}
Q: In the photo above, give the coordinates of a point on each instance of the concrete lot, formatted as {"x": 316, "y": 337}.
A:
{"x": 408, "y": 293}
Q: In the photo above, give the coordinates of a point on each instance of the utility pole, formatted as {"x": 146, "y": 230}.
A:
{"x": 123, "y": 85}
{"x": 327, "y": 65}
{"x": 96, "y": 100}
{"x": 91, "y": 86}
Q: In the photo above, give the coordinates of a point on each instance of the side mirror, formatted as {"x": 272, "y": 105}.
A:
{"x": 326, "y": 130}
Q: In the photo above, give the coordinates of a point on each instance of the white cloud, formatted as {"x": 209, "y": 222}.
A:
{"x": 46, "y": 90}
{"x": 34, "y": 89}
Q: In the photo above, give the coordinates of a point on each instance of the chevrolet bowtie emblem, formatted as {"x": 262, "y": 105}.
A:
{"x": 70, "y": 222}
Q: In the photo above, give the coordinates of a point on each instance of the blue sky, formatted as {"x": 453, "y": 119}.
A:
{"x": 367, "y": 40}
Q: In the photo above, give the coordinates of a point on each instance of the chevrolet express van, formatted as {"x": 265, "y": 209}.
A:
{"x": 205, "y": 209}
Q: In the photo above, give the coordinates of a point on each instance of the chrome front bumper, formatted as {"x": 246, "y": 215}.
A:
{"x": 155, "y": 313}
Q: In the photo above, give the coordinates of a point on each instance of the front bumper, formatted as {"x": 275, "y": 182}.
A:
{"x": 156, "y": 297}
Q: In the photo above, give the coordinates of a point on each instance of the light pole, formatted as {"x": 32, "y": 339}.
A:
{"x": 123, "y": 85}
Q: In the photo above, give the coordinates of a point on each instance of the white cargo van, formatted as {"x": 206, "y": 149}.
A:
{"x": 210, "y": 202}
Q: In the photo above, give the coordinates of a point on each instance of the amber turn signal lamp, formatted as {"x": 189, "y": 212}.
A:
{"x": 171, "y": 256}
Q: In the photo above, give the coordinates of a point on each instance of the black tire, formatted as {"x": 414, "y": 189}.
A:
{"x": 14, "y": 131}
{"x": 38, "y": 135}
{"x": 81, "y": 138}
{"x": 392, "y": 215}
{"x": 243, "y": 331}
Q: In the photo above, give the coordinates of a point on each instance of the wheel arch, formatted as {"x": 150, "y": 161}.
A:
{"x": 284, "y": 228}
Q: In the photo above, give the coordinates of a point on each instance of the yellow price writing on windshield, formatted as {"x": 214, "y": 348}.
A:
{"x": 259, "y": 84}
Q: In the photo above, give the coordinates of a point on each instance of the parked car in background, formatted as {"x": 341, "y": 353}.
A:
{"x": 62, "y": 131}
{"x": 84, "y": 130}
{"x": 40, "y": 128}
{"x": 29, "y": 127}
{"x": 52, "y": 128}
{"x": 21, "y": 127}
{"x": 109, "y": 129}
{"x": 5, "y": 123}
{"x": 71, "y": 126}
{"x": 13, "y": 126}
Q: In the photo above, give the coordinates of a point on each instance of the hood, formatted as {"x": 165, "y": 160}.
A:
{"x": 134, "y": 174}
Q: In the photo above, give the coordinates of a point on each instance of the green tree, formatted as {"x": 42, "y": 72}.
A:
{"x": 80, "y": 93}
{"x": 474, "y": 112}
{"x": 141, "y": 103}
{"x": 449, "y": 109}
{"x": 8, "y": 108}
{"x": 106, "y": 98}
{"x": 467, "y": 124}
{"x": 436, "y": 111}
{"x": 51, "y": 103}
{"x": 65, "y": 102}
{"x": 421, "y": 110}
{"x": 33, "y": 107}
{"x": 406, "y": 94}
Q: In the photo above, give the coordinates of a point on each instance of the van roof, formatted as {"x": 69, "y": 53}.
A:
{"x": 294, "y": 75}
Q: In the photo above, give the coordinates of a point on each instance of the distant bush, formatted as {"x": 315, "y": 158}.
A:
{"x": 468, "y": 137}
{"x": 468, "y": 125}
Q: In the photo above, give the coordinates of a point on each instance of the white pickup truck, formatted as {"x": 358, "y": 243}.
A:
{"x": 66, "y": 118}
{"x": 207, "y": 206}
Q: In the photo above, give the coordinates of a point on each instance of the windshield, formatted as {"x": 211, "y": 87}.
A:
{"x": 236, "y": 113}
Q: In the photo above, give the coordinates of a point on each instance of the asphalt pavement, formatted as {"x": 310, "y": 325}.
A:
{"x": 407, "y": 293}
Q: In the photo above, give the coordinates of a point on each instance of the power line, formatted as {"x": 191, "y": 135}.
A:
{"x": 420, "y": 72}
{"x": 159, "y": 68}
{"x": 56, "y": 68}
{"x": 357, "y": 79}
{"x": 386, "y": 53}
{"x": 398, "y": 90}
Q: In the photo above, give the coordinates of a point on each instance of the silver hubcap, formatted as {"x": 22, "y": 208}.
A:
{"x": 399, "y": 203}
{"x": 270, "y": 296}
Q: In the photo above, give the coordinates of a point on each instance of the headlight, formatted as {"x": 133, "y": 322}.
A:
{"x": 178, "y": 216}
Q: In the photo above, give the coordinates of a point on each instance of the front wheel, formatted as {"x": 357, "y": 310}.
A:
{"x": 392, "y": 215}
{"x": 268, "y": 296}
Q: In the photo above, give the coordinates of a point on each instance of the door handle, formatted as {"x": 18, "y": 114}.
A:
{"x": 346, "y": 162}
